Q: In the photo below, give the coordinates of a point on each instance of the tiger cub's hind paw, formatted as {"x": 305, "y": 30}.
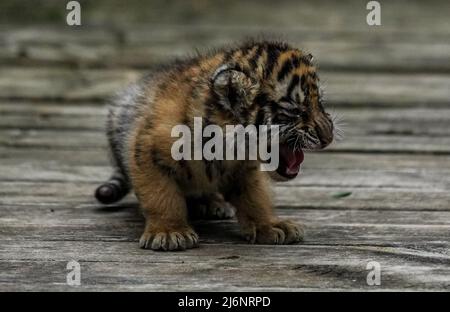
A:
{"x": 213, "y": 207}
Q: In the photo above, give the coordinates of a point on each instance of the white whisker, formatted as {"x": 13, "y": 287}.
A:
{"x": 338, "y": 126}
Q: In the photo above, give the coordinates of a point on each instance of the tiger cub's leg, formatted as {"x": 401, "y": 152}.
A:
{"x": 255, "y": 214}
{"x": 164, "y": 209}
{"x": 211, "y": 206}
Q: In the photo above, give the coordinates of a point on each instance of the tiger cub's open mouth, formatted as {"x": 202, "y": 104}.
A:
{"x": 290, "y": 161}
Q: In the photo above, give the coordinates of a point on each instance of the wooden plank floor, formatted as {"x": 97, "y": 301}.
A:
{"x": 390, "y": 84}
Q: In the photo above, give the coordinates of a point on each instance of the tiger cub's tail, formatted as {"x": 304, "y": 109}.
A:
{"x": 113, "y": 190}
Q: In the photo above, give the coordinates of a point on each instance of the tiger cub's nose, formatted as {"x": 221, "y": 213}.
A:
{"x": 324, "y": 132}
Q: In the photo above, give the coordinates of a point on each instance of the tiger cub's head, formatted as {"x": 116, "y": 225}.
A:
{"x": 273, "y": 84}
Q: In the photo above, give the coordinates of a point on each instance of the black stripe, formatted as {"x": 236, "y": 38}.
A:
{"x": 260, "y": 117}
{"x": 233, "y": 96}
{"x": 302, "y": 82}
{"x": 261, "y": 100}
{"x": 228, "y": 55}
{"x": 296, "y": 62}
{"x": 273, "y": 108}
{"x": 183, "y": 164}
{"x": 209, "y": 170}
{"x": 246, "y": 51}
{"x": 294, "y": 81}
{"x": 306, "y": 112}
{"x": 285, "y": 69}
{"x": 254, "y": 60}
{"x": 272, "y": 57}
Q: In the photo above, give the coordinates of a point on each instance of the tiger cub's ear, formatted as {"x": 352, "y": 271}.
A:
{"x": 233, "y": 86}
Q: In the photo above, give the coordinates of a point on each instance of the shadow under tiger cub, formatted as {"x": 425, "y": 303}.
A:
{"x": 256, "y": 83}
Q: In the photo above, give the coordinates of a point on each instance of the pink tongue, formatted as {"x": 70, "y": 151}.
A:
{"x": 292, "y": 159}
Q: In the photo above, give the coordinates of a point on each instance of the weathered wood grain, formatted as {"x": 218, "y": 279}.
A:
{"x": 81, "y": 209}
{"x": 217, "y": 267}
{"x": 324, "y": 226}
{"x": 57, "y": 83}
{"x": 343, "y": 89}
{"x": 320, "y": 14}
{"x": 423, "y": 237}
{"x": 141, "y": 47}
{"x": 90, "y": 236}
{"x": 13, "y": 156}
{"x": 207, "y": 23}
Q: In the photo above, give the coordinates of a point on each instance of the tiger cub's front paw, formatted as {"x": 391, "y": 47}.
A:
{"x": 276, "y": 233}
{"x": 169, "y": 240}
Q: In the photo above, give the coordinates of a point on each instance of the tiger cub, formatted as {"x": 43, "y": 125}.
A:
{"x": 256, "y": 83}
